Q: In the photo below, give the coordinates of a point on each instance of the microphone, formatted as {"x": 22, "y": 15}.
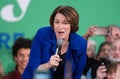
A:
{"x": 59, "y": 45}
{"x": 58, "y": 50}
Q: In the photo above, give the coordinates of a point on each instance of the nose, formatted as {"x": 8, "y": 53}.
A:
{"x": 25, "y": 58}
{"x": 60, "y": 25}
{"x": 117, "y": 52}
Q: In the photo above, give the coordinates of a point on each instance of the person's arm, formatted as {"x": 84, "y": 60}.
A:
{"x": 45, "y": 66}
{"x": 89, "y": 33}
{"x": 80, "y": 57}
{"x": 54, "y": 61}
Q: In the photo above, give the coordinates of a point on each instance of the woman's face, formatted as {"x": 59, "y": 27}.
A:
{"x": 90, "y": 49}
{"x": 61, "y": 27}
{"x": 104, "y": 51}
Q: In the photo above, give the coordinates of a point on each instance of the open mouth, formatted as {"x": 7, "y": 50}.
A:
{"x": 60, "y": 32}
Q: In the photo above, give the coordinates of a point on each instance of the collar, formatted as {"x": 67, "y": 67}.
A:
{"x": 73, "y": 42}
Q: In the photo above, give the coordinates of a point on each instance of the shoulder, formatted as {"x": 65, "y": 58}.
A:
{"x": 9, "y": 75}
{"x": 12, "y": 75}
{"x": 45, "y": 29}
{"x": 77, "y": 39}
{"x": 78, "y": 43}
{"x": 45, "y": 33}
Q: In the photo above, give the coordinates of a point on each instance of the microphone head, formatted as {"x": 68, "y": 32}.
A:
{"x": 60, "y": 41}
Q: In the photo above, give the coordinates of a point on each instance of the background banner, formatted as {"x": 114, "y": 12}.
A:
{"x": 25, "y": 17}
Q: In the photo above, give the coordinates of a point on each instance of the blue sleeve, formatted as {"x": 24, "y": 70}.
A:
{"x": 81, "y": 59}
{"x": 35, "y": 56}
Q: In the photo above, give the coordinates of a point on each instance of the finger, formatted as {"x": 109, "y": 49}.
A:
{"x": 57, "y": 59}
{"x": 56, "y": 63}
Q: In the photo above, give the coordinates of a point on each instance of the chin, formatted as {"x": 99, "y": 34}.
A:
{"x": 111, "y": 58}
{"x": 60, "y": 37}
{"x": 24, "y": 66}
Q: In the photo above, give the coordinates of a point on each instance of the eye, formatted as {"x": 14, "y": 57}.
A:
{"x": 56, "y": 22}
{"x": 113, "y": 48}
{"x": 66, "y": 22}
{"x": 20, "y": 55}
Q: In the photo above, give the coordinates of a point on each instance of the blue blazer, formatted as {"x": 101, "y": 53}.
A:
{"x": 44, "y": 45}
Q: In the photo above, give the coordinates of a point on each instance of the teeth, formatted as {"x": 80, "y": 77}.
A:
{"x": 61, "y": 32}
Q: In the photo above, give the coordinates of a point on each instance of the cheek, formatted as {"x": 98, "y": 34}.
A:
{"x": 118, "y": 55}
{"x": 112, "y": 53}
{"x": 55, "y": 29}
{"x": 18, "y": 59}
{"x": 68, "y": 29}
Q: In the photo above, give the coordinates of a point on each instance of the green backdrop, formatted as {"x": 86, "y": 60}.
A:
{"x": 25, "y": 17}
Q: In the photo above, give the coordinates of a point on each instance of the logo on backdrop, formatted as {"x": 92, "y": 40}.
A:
{"x": 7, "y": 12}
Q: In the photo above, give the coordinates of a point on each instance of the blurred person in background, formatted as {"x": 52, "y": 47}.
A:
{"x": 108, "y": 72}
{"x": 91, "y": 53}
{"x": 118, "y": 72}
{"x": 20, "y": 52}
{"x": 1, "y": 70}
{"x": 111, "y": 32}
{"x": 101, "y": 55}
{"x": 115, "y": 34}
{"x": 91, "y": 48}
{"x": 113, "y": 70}
{"x": 114, "y": 55}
